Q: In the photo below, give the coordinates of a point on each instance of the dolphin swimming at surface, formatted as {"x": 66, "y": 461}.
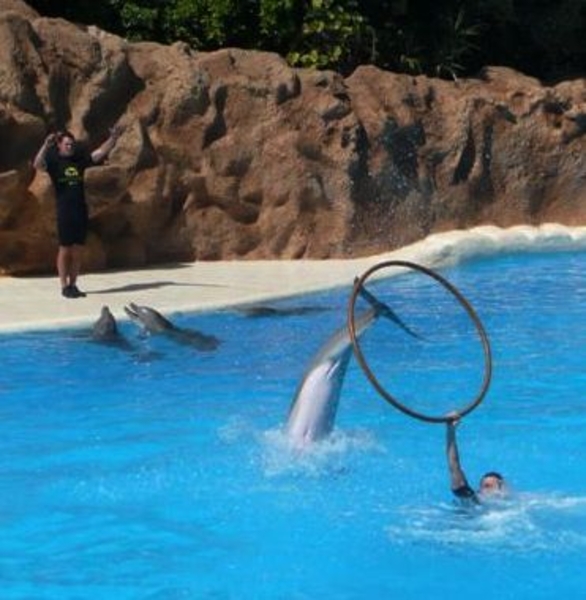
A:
{"x": 313, "y": 411}
{"x": 264, "y": 311}
{"x": 105, "y": 330}
{"x": 154, "y": 322}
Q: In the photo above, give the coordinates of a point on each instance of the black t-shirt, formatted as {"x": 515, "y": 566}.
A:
{"x": 66, "y": 173}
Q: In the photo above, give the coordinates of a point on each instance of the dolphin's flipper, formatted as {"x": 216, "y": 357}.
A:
{"x": 384, "y": 310}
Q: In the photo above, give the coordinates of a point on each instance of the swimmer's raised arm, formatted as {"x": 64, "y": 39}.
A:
{"x": 458, "y": 479}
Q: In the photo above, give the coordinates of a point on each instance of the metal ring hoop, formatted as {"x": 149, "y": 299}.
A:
{"x": 471, "y": 313}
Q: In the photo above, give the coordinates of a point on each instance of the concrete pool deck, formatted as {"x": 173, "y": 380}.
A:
{"x": 30, "y": 303}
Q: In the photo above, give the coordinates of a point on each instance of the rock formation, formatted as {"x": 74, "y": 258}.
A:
{"x": 234, "y": 155}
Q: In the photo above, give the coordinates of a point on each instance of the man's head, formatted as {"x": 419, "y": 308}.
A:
{"x": 492, "y": 484}
{"x": 65, "y": 143}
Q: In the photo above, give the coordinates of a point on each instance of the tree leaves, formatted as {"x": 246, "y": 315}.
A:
{"x": 445, "y": 38}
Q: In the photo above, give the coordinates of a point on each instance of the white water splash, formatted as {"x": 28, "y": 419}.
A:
{"x": 280, "y": 457}
{"x": 525, "y": 523}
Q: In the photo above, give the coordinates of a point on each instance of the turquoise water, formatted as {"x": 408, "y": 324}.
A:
{"x": 161, "y": 473}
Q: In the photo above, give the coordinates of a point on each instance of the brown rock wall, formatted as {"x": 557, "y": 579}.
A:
{"x": 234, "y": 155}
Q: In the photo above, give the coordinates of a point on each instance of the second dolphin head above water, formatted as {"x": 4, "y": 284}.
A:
{"x": 154, "y": 322}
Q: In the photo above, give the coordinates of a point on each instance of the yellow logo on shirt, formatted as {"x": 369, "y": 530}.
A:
{"x": 71, "y": 173}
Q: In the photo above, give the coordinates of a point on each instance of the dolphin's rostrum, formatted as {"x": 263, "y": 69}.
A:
{"x": 155, "y": 323}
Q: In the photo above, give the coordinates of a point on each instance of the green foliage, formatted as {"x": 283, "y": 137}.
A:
{"x": 457, "y": 43}
{"x": 445, "y": 38}
{"x": 333, "y": 35}
{"x": 196, "y": 22}
{"x": 204, "y": 24}
{"x": 140, "y": 20}
{"x": 215, "y": 23}
{"x": 280, "y": 22}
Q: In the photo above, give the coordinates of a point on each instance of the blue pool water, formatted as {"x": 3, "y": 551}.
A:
{"x": 162, "y": 473}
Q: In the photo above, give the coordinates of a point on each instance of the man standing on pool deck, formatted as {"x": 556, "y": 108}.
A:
{"x": 65, "y": 161}
{"x": 491, "y": 483}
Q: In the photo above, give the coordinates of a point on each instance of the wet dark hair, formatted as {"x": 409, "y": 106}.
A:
{"x": 493, "y": 474}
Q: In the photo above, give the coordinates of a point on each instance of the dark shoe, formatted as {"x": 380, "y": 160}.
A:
{"x": 76, "y": 293}
{"x": 67, "y": 292}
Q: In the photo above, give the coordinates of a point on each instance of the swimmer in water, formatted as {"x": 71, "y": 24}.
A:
{"x": 492, "y": 484}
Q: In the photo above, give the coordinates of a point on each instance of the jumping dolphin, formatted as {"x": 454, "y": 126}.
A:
{"x": 154, "y": 322}
{"x": 313, "y": 411}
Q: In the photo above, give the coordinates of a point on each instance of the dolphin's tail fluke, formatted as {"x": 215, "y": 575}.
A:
{"x": 384, "y": 310}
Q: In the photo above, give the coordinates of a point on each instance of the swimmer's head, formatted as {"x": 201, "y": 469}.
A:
{"x": 492, "y": 484}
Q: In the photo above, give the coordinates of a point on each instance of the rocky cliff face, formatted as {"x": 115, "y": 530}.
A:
{"x": 234, "y": 155}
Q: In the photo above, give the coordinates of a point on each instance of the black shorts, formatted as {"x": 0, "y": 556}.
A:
{"x": 72, "y": 226}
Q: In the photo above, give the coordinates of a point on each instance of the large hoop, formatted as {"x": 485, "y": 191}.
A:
{"x": 359, "y": 283}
